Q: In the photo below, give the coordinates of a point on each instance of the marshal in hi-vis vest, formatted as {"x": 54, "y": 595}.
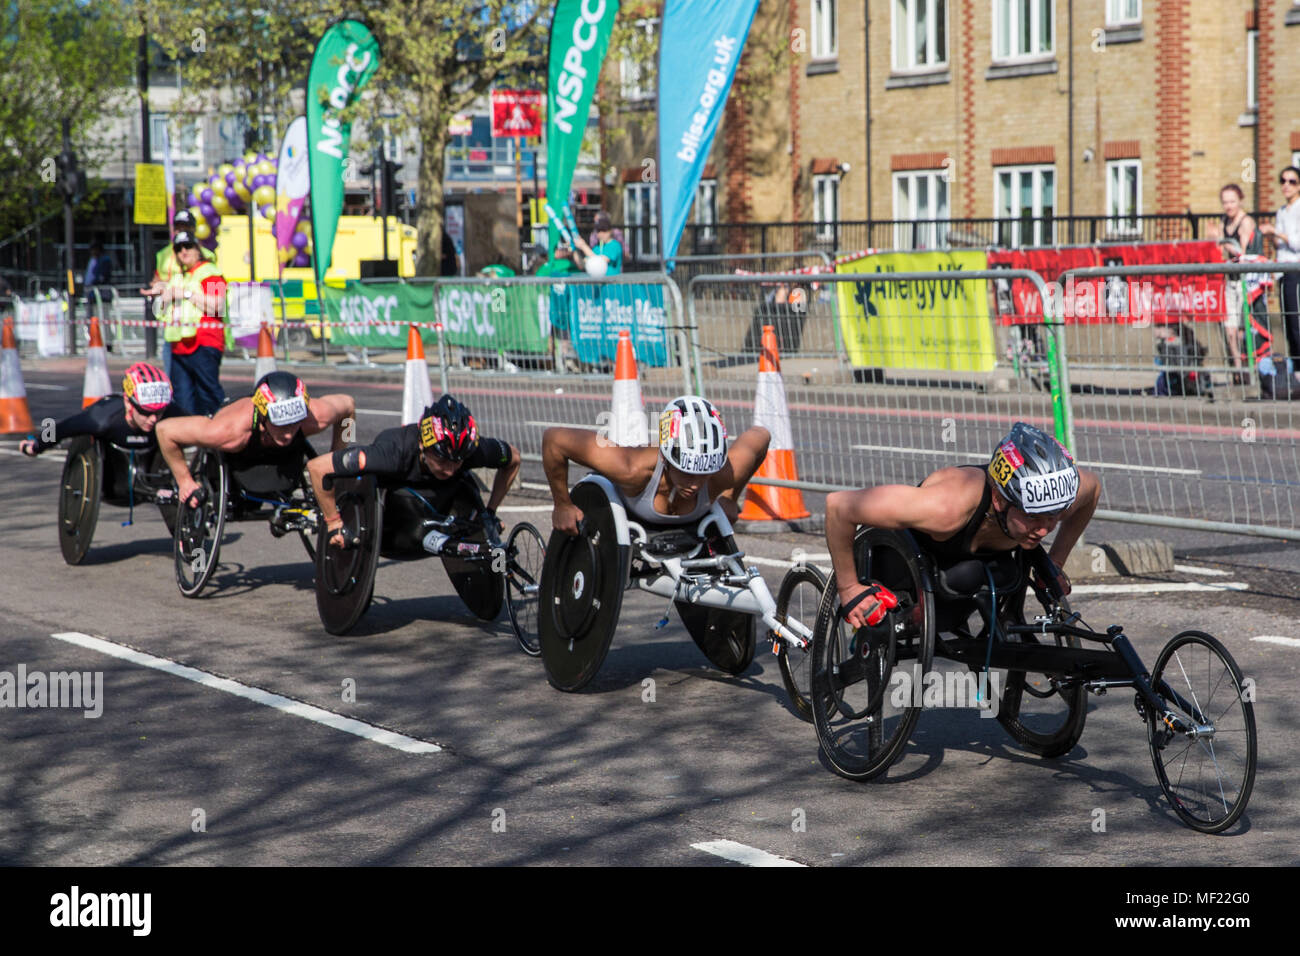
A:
{"x": 185, "y": 313}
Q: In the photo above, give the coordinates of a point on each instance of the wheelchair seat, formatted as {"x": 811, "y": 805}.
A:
{"x": 969, "y": 579}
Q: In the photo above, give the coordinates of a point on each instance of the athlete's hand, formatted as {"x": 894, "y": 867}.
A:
{"x": 186, "y": 490}
{"x": 492, "y": 525}
{"x": 870, "y": 610}
{"x": 565, "y": 518}
{"x": 335, "y": 528}
{"x": 1059, "y": 577}
{"x": 28, "y": 447}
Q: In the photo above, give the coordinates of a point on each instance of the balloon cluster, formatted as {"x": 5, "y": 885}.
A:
{"x": 300, "y": 248}
{"x": 238, "y": 188}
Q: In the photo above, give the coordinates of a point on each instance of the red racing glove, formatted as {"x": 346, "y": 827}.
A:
{"x": 885, "y": 601}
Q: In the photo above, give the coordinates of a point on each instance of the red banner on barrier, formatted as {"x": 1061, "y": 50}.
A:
{"x": 1152, "y": 298}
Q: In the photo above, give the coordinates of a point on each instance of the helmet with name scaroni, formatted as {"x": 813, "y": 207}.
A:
{"x": 1034, "y": 472}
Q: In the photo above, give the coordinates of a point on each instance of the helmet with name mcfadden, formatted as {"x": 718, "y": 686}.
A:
{"x": 448, "y": 429}
{"x": 692, "y": 436}
{"x": 147, "y": 387}
{"x": 1034, "y": 472}
{"x": 280, "y": 398}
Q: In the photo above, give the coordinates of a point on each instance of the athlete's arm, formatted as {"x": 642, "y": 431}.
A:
{"x": 89, "y": 421}
{"x": 175, "y": 434}
{"x": 383, "y": 456}
{"x": 745, "y": 455}
{"x": 1076, "y": 518}
{"x": 335, "y": 410}
{"x": 563, "y": 445}
{"x": 505, "y": 477}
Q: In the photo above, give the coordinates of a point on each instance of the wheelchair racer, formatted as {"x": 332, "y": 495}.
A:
{"x": 1030, "y": 486}
{"x": 422, "y": 456}
{"x": 675, "y": 483}
{"x": 127, "y": 420}
{"x": 270, "y": 426}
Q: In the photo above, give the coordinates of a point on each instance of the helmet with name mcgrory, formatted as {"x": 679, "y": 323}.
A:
{"x": 280, "y": 398}
{"x": 1034, "y": 472}
{"x": 147, "y": 388}
{"x": 692, "y": 436}
{"x": 448, "y": 429}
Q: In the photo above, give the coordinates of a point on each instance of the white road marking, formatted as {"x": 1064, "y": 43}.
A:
{"x": 1165, "y": 588}
{"x": 378, "y": 411}
{"x": 588, "y": 427}
{"x": 1275, "y": 639}
{"x": 782, "y": 563}
{"x": 941, "y": 452}
{"x": 529, "y": 509}
{"x": 534, "y": 486}
{"x": 296, "y": 707}
{"x": 47, "y": 388}
{"x": 51, "y": 455}
{"x": 1190, "y": 569}
{"x": 739, "y": 853}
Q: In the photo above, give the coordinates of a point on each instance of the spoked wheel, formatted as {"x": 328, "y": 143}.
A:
{"x": 83, "y": 472}
{"x": 865, "y": 682}
{"x": 345, "y": 577}
{"x": 160, "y": 477}
{"x": 481, "y": 588}
{"x": 525, "y": 556}
{"x": 197, "y": 541}
{"x": 1208, "y": 774}
{"x": 1043, "y": 715}
{"x": 796, "y": 605}
{"x": 727, "y": 638}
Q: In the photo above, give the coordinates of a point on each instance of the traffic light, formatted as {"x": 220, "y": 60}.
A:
{"x": 391, "y": 193}
{"x": 70, "y": 177}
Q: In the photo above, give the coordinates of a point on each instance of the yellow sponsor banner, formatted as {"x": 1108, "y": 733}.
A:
{"x": 919, "y": 323}
{"x": 150, "y": 195}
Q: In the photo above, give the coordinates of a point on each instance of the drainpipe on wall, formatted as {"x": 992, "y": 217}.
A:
{"x": 866, "y": 53}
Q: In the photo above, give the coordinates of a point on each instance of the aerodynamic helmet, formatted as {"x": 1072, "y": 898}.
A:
{"x": 448, "y": 429}
{"x": 1034, "y": 472}
{"x": 692, "y": 436}
{"x": 280, "y": 398}
{"x": 147, "y": 388}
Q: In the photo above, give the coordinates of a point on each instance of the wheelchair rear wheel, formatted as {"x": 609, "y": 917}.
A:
{"x": 1040, "y": 713}
{"x": 79, "y": 492}
{"x": 345, "y": 577}
{"x": 481, "y": 588}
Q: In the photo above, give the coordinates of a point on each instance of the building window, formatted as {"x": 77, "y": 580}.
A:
{"x": 186, "y": 141}
{"x": 826, "y": 204}
{"x": 920, "y": 34}
{"x": 706, "y": 210}
{"x": 1123, "y": 12}
{"x": 636, "y": 70}
{"x": 825, "y": 42}
{"x": 1025, "y": 198}
{"x": 919, "y": 196}
{"x": 640, "y": 216}
{"x": 1023, "y": 29}
{"x": 1123, "y": 196}
{"x": 1252, "y": 60}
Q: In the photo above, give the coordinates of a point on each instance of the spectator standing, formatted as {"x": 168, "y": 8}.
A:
{"x": 195, "y": 299}
{"x": 166, "y": 267}
{"x": 1285, "y": 230}
{"x": 1239, "y": 236}
{"x": 606, "y": 245}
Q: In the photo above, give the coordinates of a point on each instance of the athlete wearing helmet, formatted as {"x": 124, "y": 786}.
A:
{"x": 1029, "y": 487}
{"x": 674, "y": 483}
{"x": 126, "y": 420}
{"x": 423, "y": 456}
{"x": 269, "y": 426}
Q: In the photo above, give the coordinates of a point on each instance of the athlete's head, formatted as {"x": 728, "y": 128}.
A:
{"x": 146, "y": 391}
{"x": 448, "y": 436}
{"x": 693, "y": 441}
{"x": 280, "y": 402}
{"x": 1036, "y": 481}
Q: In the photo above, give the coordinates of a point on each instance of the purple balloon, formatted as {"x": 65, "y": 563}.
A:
{"x": 230, "y": 178}
{"x": 214, "y": 220}
{"x": 299, "y": 240}
{"x": 205, "y": 198}
{"x": 210, "y": 243}
{"x": 232, "y": 197}
{"x": 268, "y": 211}
{"x": 302, "y": 259}
{"x": 207, "y": 210}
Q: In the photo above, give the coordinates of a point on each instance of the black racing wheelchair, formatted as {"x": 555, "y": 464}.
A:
{"x": 718, "y": 597}
{"x": 396, "y": 522}
{"x": 866, "y": 682}
{"x": 277, "y": 491}
{"x": 97, "y": 471}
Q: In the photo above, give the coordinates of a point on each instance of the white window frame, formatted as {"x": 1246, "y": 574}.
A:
{"x": 1252, "y": 72}
{"x": 823, "y": 19}
{"x": 1011, "y": 10}
{"x": 907, "y": 208}
{"x": 1121, "y": 221}
{"x": 1116, "y": 17}
{"x": 644, "y": 240}
{"x": 1013, "y": 217}
{"x": 636, "y": 80}
{"x": 826, "y": 204}
{"x": 182, "y": 160}
{"x": 706, "y": 210}
{"x": 903, "y": 36}
{"x": 1295, "y": 158}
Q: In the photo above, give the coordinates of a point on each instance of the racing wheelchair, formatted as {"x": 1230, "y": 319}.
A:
{"x": 97, "y": 471}
{"x": 229, "y": 494}
{"x": 396, "y": 522}
{"x": 1198, "y": 716}
{"x": 717, "y": 596}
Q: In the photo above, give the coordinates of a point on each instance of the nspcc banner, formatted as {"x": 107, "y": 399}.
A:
{"x": 940, "y": 323}
{"x": 699, "y": 49}
{"x": 345, "y": 59}
{"x": 580, "y": 33}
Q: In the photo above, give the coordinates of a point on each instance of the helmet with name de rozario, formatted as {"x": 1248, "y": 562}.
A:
{"x": 1034, "y": 472}
{"x": 692, "y": 436}
{"x": 280, "y": 398}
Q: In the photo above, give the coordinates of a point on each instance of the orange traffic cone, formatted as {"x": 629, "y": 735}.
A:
{"x": 96, "y": 384}
{"x": 418, "y": 392}
{"x": 265, "y": 354}
{"x": 773, "y": 502}
{"x": 628, "y": 422}
{"x": 14, "y": 414}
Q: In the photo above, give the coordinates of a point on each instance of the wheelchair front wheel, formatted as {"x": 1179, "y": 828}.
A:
{"x": 197, "y": 541}
{"x": 798, "y": 600}
{"x": 525, "y": 556}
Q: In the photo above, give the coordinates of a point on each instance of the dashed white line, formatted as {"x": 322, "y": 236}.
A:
{"x": 378, "y": 411}
{"x": 47, "y": 388}
{"x": 1192, "y": 569}
{"x": 939, "y": 453}
{"x": 50, "y": 455}
{"x": 1276, "y": 639}
{"x": 532, "y": 509}
{"x": 588, "y": 426}
{"x": 739, "y": 853}
{"x": 1163, "y": 588}
{"x": 289, "y": 706}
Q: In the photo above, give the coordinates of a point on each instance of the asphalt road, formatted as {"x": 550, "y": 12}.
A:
{"x": 179, "y": 772}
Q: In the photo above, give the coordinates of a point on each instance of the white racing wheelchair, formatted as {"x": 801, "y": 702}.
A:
{"x": 719, "y": 598}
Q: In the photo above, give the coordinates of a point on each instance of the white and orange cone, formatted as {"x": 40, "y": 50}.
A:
{"x": 265, "y": 354}
{"x": 773, "y": 502}
{"x": 96, "y": 384}
{"x": 627, "y": 425}
{"x": 15, "y": 417}
{"x": 418, "y": 392}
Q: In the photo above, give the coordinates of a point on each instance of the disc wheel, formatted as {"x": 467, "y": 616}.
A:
{"x": 79, "y": 489}
{"x": 525, "y": 557}
{"x": 481, "y": 588}
{"x": 866, "y": 682}
{"x": 796, "y": 605}
{"x": 345, "y": 577}
{"x": 1040, "y": 713}
{"x": 158, "y": 476}
{"x": 727, "y": 638}
{"x": 197, "y": 540}
{"x": 1207, "y": 777}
